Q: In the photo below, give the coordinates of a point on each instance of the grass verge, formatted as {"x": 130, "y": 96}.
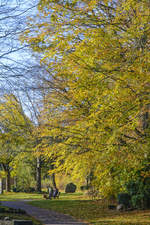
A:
{"x": 12, "y": 196}
{"x": 94, "y": 212}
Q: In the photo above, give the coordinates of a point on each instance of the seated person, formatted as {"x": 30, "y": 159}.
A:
{"x": 50, "y": 192}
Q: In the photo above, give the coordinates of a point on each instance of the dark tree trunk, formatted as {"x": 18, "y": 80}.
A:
{"x": 8, "y": 186}
{"x": 38, "y": 175}
{"x": 1, "y": 185}
{"x": 87, "y": 181}
{"x": 145, "y": 117}
{"x": 53, "y": 181}
{"x": 53, "y": 178}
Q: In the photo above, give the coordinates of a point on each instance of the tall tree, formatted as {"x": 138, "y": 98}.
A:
{"x": 14, "y": 133}
{"x": 97, "y": 55}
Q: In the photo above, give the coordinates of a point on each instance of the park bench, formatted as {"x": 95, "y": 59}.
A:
{"x": 46, "y": 196}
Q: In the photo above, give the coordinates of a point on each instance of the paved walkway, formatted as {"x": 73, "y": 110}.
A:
{"x": 46, "y": 216}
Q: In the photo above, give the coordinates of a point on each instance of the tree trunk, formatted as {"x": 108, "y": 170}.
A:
{"x": 145, "y": 119}
{"x": 87, "y": 182}
{"x": 53, "y": 181}
{"x": 8, "y": 186}
{"x": 38, "y": 175}
{"x": 53, "y": 178}
{"x": 1, "y": 185}
{"x": 15, "y": 182}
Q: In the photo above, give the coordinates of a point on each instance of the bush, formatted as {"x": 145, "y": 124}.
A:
{"x": 24, "y": 189}
{"x": 17, "y": 189}
{"x": 136, "y": 201}
{"x": 70, "y": 188}
{"x": 31, "y": 189}
{"x": 14, "y": 189}
{"x": 139, "y": 190}
{"x": 124, "y": 198}
{"x": 85, "y": 188}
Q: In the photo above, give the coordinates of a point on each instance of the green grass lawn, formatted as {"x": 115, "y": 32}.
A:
{"x": 12, "y": 196}
{"x": 80, "y": 207}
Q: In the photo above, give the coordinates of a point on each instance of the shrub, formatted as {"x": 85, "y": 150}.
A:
{"x": 31, "y": 189}
{"x": 139, "y": 190}
{"x": 14, "y": 189}
{"x": 85, "y": 187}
{"x": 124, "y": 198}
{"x": 136, "y": 201}
{"x": 70, "y": 188}
{"x": 18, "y": 189}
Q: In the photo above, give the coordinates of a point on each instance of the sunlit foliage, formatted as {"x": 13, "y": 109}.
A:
{"x": 97, "y": 103}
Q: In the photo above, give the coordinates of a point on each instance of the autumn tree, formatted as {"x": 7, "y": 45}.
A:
{"x": 15, "y": 128}
{"x": 98, "y": 97}
{"x": 20, "y": 71}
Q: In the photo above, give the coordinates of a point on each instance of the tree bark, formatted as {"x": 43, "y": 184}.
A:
{"x": 145, "y": 119}
{"x": 15, "y": 182}
{"x": 8, "y": 186}
{"x": 38, "y": 175}
{"x": 53, "y": 181}
{"x": 53, "y": 178}
{"x": 1, "y": 185}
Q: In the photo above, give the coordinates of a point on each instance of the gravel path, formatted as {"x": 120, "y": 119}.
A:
{"x": 46, "y": 216}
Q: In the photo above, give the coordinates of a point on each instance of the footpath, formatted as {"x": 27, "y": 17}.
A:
{"x": 46, "y": 216}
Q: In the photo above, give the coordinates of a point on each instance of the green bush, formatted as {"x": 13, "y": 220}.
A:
{"x": 31, "y": 190}
{"x": 139, "y": 190}
{"x": 24, "y": 189}
{"x": 124, "y": 198}
{"x": 70, "y": 188}
{"x": 136, "y": 201}
{"x": 85, "y": 187}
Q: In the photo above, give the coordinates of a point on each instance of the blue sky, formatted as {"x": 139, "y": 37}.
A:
{"x": 18, "y": 68}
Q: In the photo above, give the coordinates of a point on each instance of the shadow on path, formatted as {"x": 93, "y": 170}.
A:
{"x": 46, "y": 216}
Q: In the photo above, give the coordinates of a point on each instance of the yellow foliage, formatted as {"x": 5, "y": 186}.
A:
{"x": 99, "y": 86}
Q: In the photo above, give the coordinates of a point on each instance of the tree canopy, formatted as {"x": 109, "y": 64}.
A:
{"x": 95, "y": 110}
